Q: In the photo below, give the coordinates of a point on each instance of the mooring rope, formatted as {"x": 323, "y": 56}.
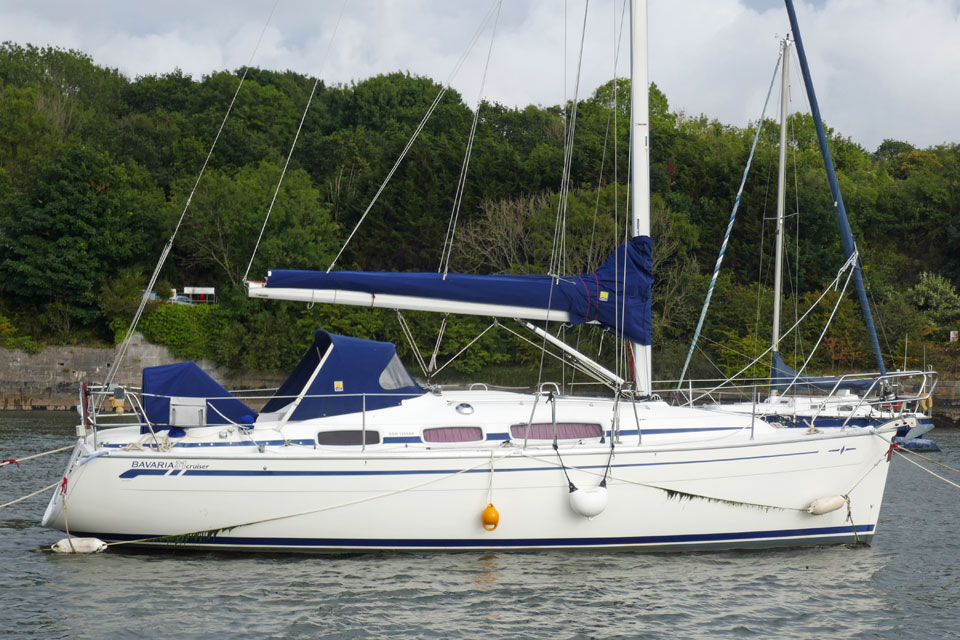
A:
{"x": 66, "y": 525}
{"x": 30, "y": 495}
{"x": 900, "y": 450}
{"x": 17, "y": 461}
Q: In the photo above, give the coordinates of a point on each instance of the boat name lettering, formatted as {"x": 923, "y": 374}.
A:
{"x": 166, "y": 464}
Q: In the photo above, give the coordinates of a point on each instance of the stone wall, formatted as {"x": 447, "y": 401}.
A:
{"x": 51, "y": 379}
{"x": 946, "y": 404}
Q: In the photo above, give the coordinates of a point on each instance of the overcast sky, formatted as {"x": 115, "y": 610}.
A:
{"x": 881, "y": 68}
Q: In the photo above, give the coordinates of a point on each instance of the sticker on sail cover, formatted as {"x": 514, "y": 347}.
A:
{"x": 338, "y": 385}
{"x": 604, "y": 296}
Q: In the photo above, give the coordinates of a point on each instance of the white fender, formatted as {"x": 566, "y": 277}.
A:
{"x": 80, "y": 545}
{"x": 826, "y": 505}
{"x": 589, "y": 503}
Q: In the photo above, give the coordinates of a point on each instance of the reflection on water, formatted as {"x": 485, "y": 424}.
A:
{"x": 906, "y": 586}
{"x": 487, "y": 566}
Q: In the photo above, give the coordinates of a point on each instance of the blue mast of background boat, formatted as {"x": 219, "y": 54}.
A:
{"x": 846, "y": 236}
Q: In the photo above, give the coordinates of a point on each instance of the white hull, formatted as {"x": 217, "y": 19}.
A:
{"x": 415, "y": 497}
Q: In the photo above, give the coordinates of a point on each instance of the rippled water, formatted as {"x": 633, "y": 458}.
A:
{"x": 905, "y": 586}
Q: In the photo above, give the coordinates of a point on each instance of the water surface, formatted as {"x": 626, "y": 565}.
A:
{"x": 907, "y": 585}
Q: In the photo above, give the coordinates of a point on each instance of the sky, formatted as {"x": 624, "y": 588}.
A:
{"x": 881, "y": 68}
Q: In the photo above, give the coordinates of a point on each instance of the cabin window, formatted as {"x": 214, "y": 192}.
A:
{"x": 453, "y": 434}
{"x": 565, "y": 431}
{"x": 395, "y": 376}
{"x": 347, "y": 438}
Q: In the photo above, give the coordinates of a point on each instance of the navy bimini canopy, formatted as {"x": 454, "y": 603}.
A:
{"x": 626, "y": 277}
{"x": 187, "y": 380}
{"x": 356, "y": 370}
{"x": 781, "y": 375}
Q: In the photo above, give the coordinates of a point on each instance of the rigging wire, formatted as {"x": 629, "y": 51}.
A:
{"x": 413, "y": 343}
{"x": 797, "y": 337}
{"x": 726, "y": 237}
{"x": 403, "y": 154}
{"x": 830, "y": 287}
{"x": 447, "y": 251}
{"x": 833, "y": 313}
{"x": 461, "y": 183}
{"x": 612, "y": 116}
{"x": 557, "y": 257}
{"x": 560, "y": 358}
{"x": 296, "y": 137}
{"x": 617, "y": 368}
{"x": 620, "y": 348}
{"x": 763, "y": 229}
{"x": 436, "y": 346}
{"x": 883, "y": 329}
{"x": 763, "y": 237}
{"x": 469, "y": 344}
{"x": 111, "y": 375}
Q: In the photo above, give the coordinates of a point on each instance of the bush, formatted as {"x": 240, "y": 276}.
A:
{"x": 10, "y": 338}
{"x": 188, "y": 331}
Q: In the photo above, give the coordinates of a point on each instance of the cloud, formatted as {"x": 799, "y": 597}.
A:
{"x": 882, "y": 68}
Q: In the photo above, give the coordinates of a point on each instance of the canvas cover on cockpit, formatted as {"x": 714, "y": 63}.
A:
{"x": 354, "y": 374}
{"x": 783, "y": 377}
{"x": 174, "y": 389}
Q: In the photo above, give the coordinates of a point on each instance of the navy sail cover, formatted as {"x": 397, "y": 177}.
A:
{"x": 617, "y": 296}
{"x": 187, "y": 380}
{"x": 356, "y": 374}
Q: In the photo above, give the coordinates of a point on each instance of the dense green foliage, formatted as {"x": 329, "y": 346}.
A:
{"x": 97, "y": 169}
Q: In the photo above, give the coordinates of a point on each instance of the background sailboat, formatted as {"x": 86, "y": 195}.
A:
{"x": 800, "y": 400}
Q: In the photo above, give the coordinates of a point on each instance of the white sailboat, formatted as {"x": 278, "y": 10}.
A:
{"x": 352, "y": 454}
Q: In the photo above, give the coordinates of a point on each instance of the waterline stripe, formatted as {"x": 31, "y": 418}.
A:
{"x": 812, "y": 534}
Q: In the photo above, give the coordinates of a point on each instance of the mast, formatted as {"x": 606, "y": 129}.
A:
{"x": 640, "y": 159}
{"x": 781, "y": 199}
{"x": 846, "y": 235}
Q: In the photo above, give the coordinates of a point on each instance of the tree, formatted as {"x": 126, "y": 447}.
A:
{"x": 226, "y": 215}
{"x": 890, "y": 148}
{"x": 78, "y": 221}
{"x": 937, "y": 300}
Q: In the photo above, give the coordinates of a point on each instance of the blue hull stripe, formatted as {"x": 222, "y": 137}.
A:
{"x": 441, "y": 543}
{"x": 133, "y": 473}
